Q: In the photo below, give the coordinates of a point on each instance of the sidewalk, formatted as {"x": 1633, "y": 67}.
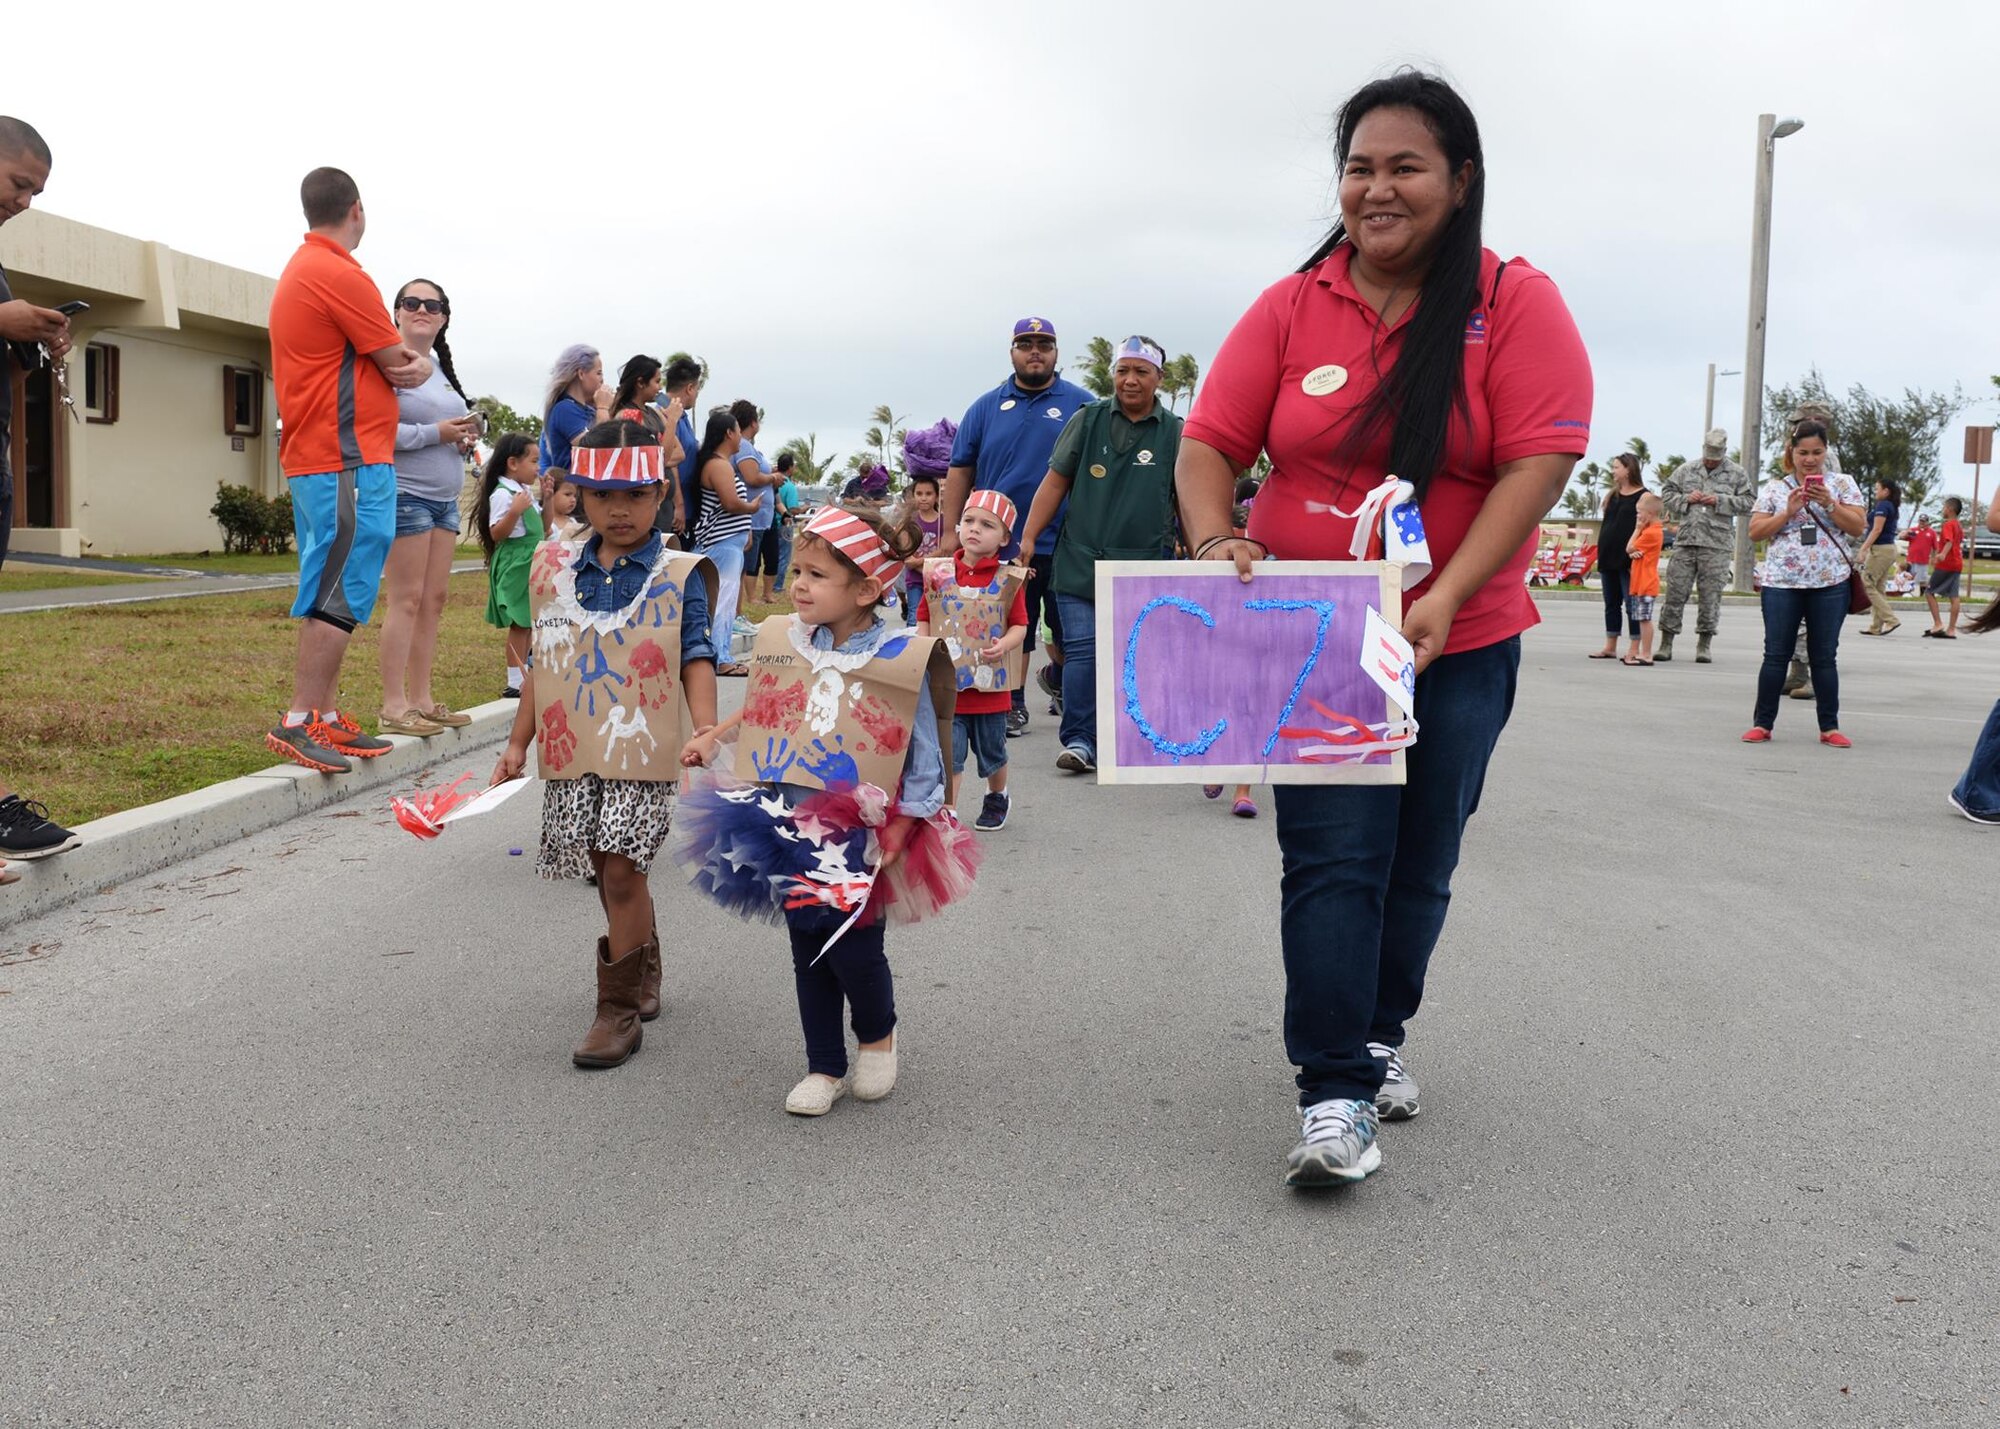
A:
{"x": 178, "y": 588}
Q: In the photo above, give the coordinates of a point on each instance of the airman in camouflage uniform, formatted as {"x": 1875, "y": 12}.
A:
{"x": 1705, "y": 497}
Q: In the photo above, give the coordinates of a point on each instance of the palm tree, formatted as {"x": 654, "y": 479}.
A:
{"x": 886, "y": 436}
{"x": 1178, "y": 379}
{"x": 1637, "y": 446}
{"x": 1095, "y": 374}
{"x": 812, "y": 468}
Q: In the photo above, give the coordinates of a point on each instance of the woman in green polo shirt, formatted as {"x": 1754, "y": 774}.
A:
{"x": 1114, "y": 467}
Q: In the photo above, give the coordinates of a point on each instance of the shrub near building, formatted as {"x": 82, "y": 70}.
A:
{"x": 251, "y": 521}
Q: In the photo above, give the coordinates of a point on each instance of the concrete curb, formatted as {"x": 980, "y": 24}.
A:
{"x": 127, "y": 845}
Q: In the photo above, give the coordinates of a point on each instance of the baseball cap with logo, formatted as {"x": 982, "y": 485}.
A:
{"x": 1034, "y": 327}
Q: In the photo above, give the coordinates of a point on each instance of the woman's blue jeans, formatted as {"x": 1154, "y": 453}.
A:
{"x": 1979, "y": 790}
{"x": 1823, "y": 610}
{"x": 1367, "y": 877}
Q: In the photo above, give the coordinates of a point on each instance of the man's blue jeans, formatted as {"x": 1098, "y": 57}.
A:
{"x": 1079, "y": 673}
{"x": 1979, "y": 790}
{"x": 1367, "y": 877}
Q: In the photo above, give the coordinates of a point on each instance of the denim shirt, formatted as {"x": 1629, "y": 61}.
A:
{"x": 600, "y": 591}
{"x": 922, "y": 794}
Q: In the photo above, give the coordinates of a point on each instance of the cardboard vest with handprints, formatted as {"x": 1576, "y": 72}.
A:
{"x": 819, "y": 719}
{"x": 968, "y": 618}
{"x": 608, "y": 693}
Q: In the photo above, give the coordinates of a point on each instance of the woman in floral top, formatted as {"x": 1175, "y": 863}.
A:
{"x": 1807, "y": 516}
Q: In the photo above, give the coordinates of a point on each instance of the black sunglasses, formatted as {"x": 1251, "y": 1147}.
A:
{"x": 433, "y": 306}
{"x": 1034, "y": 344}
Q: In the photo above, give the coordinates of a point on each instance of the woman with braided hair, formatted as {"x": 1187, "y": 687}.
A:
{"x": 434, "y": 431}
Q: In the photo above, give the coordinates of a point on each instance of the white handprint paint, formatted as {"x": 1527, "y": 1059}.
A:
{"x": 823, "y": 702}
{"x": 626, "y": 727}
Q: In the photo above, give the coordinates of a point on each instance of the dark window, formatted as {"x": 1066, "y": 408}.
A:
{"x": 100, "y": 383}
{"x": 242, "y": 401}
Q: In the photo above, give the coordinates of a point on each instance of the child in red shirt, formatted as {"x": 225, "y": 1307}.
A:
{"x": 1644, "y": 550}
{"x": 979, "y": 723}
{"x": 1945, "y": 572}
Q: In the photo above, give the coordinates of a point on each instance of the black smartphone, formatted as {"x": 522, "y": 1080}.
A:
{"x": 71, "y": 308}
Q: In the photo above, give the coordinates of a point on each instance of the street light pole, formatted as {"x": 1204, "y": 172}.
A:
{"x": 1769, "y": 131}
{"x": 1708, "y": 412}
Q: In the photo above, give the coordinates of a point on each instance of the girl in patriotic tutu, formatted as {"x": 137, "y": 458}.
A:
{"x": 846, "y": 826}
{"x": 621, "y": 672}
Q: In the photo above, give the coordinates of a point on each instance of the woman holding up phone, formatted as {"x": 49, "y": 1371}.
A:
{"x": 1805, "y": 515}
{"x": 435, "y": 429}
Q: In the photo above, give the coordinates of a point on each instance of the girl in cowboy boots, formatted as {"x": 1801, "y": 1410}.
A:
{"x": 843, "y": 727}
{"x": 621, "y": 673}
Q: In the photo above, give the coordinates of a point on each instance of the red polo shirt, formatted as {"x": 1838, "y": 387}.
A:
{"x": 1297, "y": 368}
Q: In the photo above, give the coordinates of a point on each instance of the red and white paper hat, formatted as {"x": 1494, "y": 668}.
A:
{"x": 616, "y": 468}
{"x": 856, "y": 540}
{"x": 987, "y": 499}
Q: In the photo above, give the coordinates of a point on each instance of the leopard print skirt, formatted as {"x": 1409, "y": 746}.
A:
{"x": 629, "y": 817}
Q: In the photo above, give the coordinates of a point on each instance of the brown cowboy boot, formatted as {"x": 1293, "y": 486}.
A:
{"x": 614, "y": 1034}
{"x": 649, "y": 984}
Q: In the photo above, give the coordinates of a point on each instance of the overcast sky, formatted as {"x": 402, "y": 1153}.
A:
{"x": 844, "y": 205}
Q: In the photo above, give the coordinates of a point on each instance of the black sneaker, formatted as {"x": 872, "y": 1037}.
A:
{"x": 26, "y": 830}
{"x": 296, "y": 743}
{"x": 1017, "y": 723}
{"x": 510, "y": 693}
{"x": 993, "y": 813}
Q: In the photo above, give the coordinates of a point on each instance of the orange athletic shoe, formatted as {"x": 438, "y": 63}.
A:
{"x": 301, "y": 745}
{"x": 345, "y": 735}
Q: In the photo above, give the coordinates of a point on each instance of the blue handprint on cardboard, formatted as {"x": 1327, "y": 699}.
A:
{"x": 832, "y": 766}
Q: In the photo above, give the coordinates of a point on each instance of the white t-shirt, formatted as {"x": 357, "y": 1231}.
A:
{"x": 497, "y": 504}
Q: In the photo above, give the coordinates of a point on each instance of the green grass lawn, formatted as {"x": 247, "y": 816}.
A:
{"x": 111, "y": 707}
{"x": 23, "y": 575}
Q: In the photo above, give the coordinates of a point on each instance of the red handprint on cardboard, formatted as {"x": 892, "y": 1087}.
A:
{"x": 888, "y": 731}
{"x": 550, "y": 557}
{"x": 652, "y": 676}
{"x": 767, "y": 707}
{"x": 558, "y": 739}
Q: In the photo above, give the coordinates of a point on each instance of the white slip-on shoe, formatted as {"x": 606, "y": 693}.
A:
{"x": 875, "y": 1072}
{"x": 815, "y": 1095}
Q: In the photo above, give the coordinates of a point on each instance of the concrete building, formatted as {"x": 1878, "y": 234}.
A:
{"x": 171, "y": 379}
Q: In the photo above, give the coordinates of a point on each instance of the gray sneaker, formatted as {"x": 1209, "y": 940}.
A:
{"x": 296, "y": 743}
{"x": 1076, "y": 760}
{"x": 1017, "y": 723}
{"x": 993, "y": 813}
{"x": 1336, "y": 1144}
{"x": 1397, "y": 1100}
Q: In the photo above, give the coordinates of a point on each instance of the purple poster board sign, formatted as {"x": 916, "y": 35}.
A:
{"x": 1202, "y": 679}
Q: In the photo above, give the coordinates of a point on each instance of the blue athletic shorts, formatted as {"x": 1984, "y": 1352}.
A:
{"x": 344, "y": 521}
{"x": 416, "y": 515}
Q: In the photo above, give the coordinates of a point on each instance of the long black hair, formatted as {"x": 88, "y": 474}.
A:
{"x": 439, "y": 346}
{"x": 721, "y": 422}
{"x": 505, "y": 448}
{"x": 1420, "y": 394}
{"x": 636, "y": 373}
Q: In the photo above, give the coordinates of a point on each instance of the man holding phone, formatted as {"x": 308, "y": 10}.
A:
{"x": 26, "y": 830}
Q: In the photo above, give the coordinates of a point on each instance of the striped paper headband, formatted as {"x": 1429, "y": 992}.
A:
{"x": 856, "y": 540}
{"x": 615, "y": 468}
{"x": 987, "y": 499}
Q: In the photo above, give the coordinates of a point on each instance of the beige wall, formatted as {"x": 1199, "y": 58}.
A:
{"x": 142, "y": 485}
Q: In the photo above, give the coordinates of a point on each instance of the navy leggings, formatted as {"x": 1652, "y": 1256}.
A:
{"x": 856, "y": 968}
{"x": 1617, "y": 582}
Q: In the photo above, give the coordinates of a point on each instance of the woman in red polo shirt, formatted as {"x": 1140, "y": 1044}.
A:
{"x": 1403, "y": 346}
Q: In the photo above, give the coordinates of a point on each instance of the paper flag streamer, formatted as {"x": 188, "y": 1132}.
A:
{"x": 1387, "y": 527}
{"x": 426, "y": 812}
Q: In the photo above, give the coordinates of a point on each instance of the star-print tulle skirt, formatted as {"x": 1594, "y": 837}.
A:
{"x": 629, "y": 817}
{"x": 760, "y": 849}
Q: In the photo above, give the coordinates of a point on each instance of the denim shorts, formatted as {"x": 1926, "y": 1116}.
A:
{"x": 986, "y": 735}
{"x": 1944, "y": 583}
{"x": 416, "y": 515}
{"x": 1639, "y": 607}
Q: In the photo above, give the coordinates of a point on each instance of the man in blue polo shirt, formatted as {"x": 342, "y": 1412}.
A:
{"x": 1004, "y": 445}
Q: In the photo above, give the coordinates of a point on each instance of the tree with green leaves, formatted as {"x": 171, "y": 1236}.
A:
{"x": 1583, "y": 499}
{"x": 1178, "y": 379}
{"x": 809, "y": 467}
{"x": 1878, "y": 438}
{"x": 1095, "y": 374}
{"x": 501, "y": 419}
{"x": 885, "y": 439}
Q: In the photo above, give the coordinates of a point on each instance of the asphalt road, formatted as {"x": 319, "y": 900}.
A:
{"x": 1709, "y": 1137}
